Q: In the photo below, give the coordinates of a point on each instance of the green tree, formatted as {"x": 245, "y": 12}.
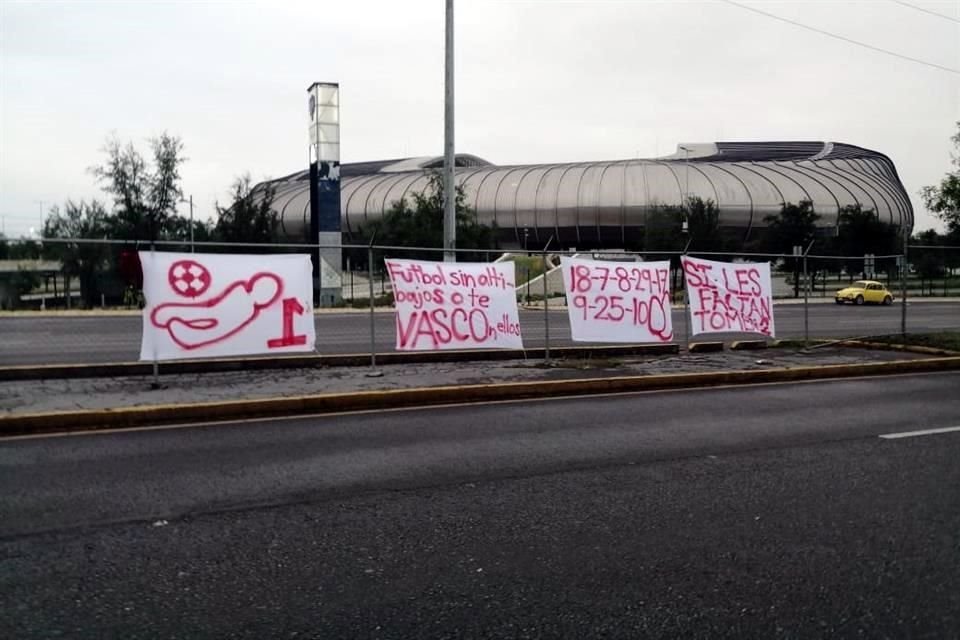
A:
{"x": 178, "y": 228}
{"x": 24, "y": 281}
{"x": 250, "y": 217}
{"x": 795, "y": 225}
{"x": 928, "y": 261}
{"x": 944, "y": 200}
{"x": 861, "y": 232}
{"x": 145, "y": 197}
{"x": 22, "y": 249}
{"x": 420, "y": 224}
{"x": 82, "y": 260}
{"x": 663, "y": 231}
{"x": 703, "y": 224}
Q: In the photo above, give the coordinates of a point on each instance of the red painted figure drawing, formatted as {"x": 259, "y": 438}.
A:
{"x": 201, "y": 323}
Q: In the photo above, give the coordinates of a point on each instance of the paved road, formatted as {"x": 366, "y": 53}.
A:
{"x": 53, "y": 340}
{"x": 718, "y": 513}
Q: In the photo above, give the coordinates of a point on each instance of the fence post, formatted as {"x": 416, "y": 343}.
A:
{"x": 806, "y": 304}
{"x": 943, "y": 252}
{"x": 156, "y": 364}
{"x": 373, "y": 373}
{"x": 806, "y": 301}
{"x": 352, "y": 290}
{"x": 903, "y": 285}
{"x": 546, "y": 307}
{"x": 686, "y": 300}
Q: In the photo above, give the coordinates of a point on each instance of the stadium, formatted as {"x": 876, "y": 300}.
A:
{"x": 596, "y": 205}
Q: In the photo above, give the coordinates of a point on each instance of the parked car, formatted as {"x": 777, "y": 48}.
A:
{"x": 864, "y": 291}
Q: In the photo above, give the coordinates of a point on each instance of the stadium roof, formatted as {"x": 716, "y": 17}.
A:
{"x": 597, "y": 204}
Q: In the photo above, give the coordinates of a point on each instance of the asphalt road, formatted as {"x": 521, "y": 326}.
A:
{"x": 95, "y": 339}
{"x": 770, "y": 511}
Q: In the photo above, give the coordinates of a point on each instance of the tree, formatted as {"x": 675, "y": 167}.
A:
{"x": 663, "y": 231}
{"x": 251, "y": 217}
{"x": 928, "y": 261}
{"x": 178, "y": 228}
{"x": 703, "y": 223}
{"x": 421, "y": 225}
{"x": 861, "y": 232}
{"x": 944, "y": 200}
{"x": 81, "y": 260}
{"x": 145, "y": 198}
{"x": 795, "y": 225}
{"x": 24, "y": 281}
{"x": 22, "y": 249}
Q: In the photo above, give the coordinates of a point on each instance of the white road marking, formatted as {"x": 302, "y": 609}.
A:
{"x": 923, "y": 432}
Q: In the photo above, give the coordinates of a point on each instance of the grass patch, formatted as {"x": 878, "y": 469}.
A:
{"x": 581, "y": 364}
{"x": 949, "y": 340}
{"x": 527, "y": 267}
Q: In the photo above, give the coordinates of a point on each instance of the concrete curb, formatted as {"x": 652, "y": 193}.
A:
{"x": 92, "y": 420}
{"x": 704, "y": 347}
{"x": 172, "y": 367}
{"x": 748, "y": 345}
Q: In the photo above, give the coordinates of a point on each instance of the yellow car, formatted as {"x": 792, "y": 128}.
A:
{"x": 864, "y": 291}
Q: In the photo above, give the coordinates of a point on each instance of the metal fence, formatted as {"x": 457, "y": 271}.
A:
{"x": 102, "y": 279}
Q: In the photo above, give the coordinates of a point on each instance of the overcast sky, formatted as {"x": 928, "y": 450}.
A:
{"x": 544, "y": 81}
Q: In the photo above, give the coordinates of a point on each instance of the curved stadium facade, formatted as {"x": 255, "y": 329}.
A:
{"x": 605, "y": 204}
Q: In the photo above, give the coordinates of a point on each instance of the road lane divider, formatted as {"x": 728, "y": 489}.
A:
{"x": 921, "y": 432}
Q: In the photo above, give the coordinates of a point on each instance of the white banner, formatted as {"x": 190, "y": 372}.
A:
{"x": 211, "y": 305}
{"x": 729, "y": 297}
{"x": 618, "y": 301}
{"x": 455, "y": 305}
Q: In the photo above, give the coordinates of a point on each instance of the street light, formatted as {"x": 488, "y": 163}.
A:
{"x": 40, "y": 233}
{"x": 686, "y": 188}
{"x": 191, "y": 219}
{"x": 526, "y": 233}
{"x": 43, "y": 299}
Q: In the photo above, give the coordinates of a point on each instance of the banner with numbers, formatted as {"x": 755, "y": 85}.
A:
{"x": 211, "y": 305}
{"x": 618, "y": 301}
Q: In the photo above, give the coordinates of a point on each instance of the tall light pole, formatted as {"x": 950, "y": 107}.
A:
{"x": 526, "y": 233}
{"x": 40, "y": 233}
{"x": 686, "y": 188}
{"x": 449, "y": 191}
{"x": 43, "y": 299}
{"x": 191, "y": 219}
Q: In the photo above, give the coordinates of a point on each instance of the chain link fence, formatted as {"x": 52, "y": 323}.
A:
{"x": 99, "y": 282}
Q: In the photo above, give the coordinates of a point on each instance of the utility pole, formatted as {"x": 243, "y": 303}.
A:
{"x": 449, "y": 191}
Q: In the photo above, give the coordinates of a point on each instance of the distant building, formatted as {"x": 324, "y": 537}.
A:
{"x": 604, "y": 204}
